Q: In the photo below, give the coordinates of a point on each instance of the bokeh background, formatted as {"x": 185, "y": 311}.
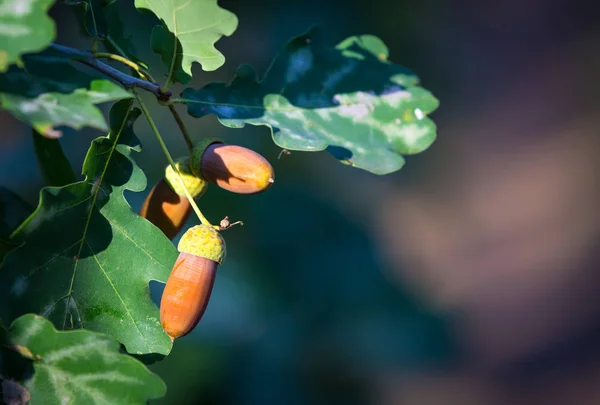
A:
{"x": 471, "y": 276}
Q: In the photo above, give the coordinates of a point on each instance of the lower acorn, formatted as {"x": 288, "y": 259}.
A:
{"x": 166, "y": 205}
{"x": 188, "y": 289}
{"x": 232, "y": 167}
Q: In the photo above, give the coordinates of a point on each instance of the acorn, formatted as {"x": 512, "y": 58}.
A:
{"x": 166, "y": 206}
{"x": 232, "y": 167}
{"x": 188, "y": 289}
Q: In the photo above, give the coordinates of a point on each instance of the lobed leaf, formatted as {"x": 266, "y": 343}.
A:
{"x": 348, "y": 99}
{"x": 80, "y": 367}
{"x": 193, "y": 29}
{"x": 24, "y": 27}
{"x": 87, "y": 258}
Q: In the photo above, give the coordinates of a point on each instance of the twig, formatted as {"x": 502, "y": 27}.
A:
{"x": 126, "y": 80}
{"x": 127, "y": 62}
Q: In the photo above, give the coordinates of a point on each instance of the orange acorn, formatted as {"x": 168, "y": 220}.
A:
{"x": 166, "y": 205}
{"x": 231, "y": 167}
{"x": 188, "y": 289}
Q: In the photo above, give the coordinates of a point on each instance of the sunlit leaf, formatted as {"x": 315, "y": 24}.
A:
{"x": 80, "y": 367}
{"x": 24, "y": 27}
{"x": 76, "y": 110}
{"x": 87, "y": 257}
{"x": 49, "y": 92}
{"x": 194, "y": 27}
{"x": 347, "y": 99}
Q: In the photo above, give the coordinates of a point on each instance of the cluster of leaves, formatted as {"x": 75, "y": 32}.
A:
{"x": 82, "y": 259}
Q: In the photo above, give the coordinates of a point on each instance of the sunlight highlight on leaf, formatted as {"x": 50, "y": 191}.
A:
{"x": 347, "y": 99}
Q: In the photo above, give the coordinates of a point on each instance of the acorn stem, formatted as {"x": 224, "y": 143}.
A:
{"x": 195, "y": 207}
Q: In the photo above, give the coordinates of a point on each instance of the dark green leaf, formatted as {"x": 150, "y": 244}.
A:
{"x": 103, "y": 20}
{"x": 195, "y": 27}
{"x": 13, "y": 211}
{"x": 90, "y": 14}
{"x": 25, "y": 28}
{"x": 53, "y": 162}
{"x": 44, "y": 72}
{"x": 80, "y": 367}
{"x": 162, "y": 44}
{"x": 87, "y": 258}
{"x": 119, "y": 40}
{"x": 348, "y": 99}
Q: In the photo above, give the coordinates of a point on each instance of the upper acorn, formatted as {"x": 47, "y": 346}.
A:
{"x": 231, "y": 167}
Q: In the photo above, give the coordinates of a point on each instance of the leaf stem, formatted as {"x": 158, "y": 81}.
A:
{"x": 127, "y": 62}
{"x": 146, "y": 113}
{"x": 181, "y": 125}
{"x": 126, "y": 80}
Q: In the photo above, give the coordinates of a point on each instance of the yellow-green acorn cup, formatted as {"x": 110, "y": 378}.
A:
{"x": 188, "y": 289}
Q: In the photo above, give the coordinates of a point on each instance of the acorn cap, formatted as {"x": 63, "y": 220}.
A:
{"x": 203, "y": 241}
{"x": 194, "y": 184}
{"x": 197, "y": 153}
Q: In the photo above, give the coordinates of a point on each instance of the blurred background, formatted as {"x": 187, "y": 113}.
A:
{"x": 468, "y": 277}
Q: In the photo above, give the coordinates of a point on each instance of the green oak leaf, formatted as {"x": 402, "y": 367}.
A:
{"x": 76, "y": 110}
{"x": 87, "y": 258}
{"x": 347, "y": 99}
{"x": 194, "y": 26}
{"x": 80, "y": 367}
{"x": 25, "y": 27}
